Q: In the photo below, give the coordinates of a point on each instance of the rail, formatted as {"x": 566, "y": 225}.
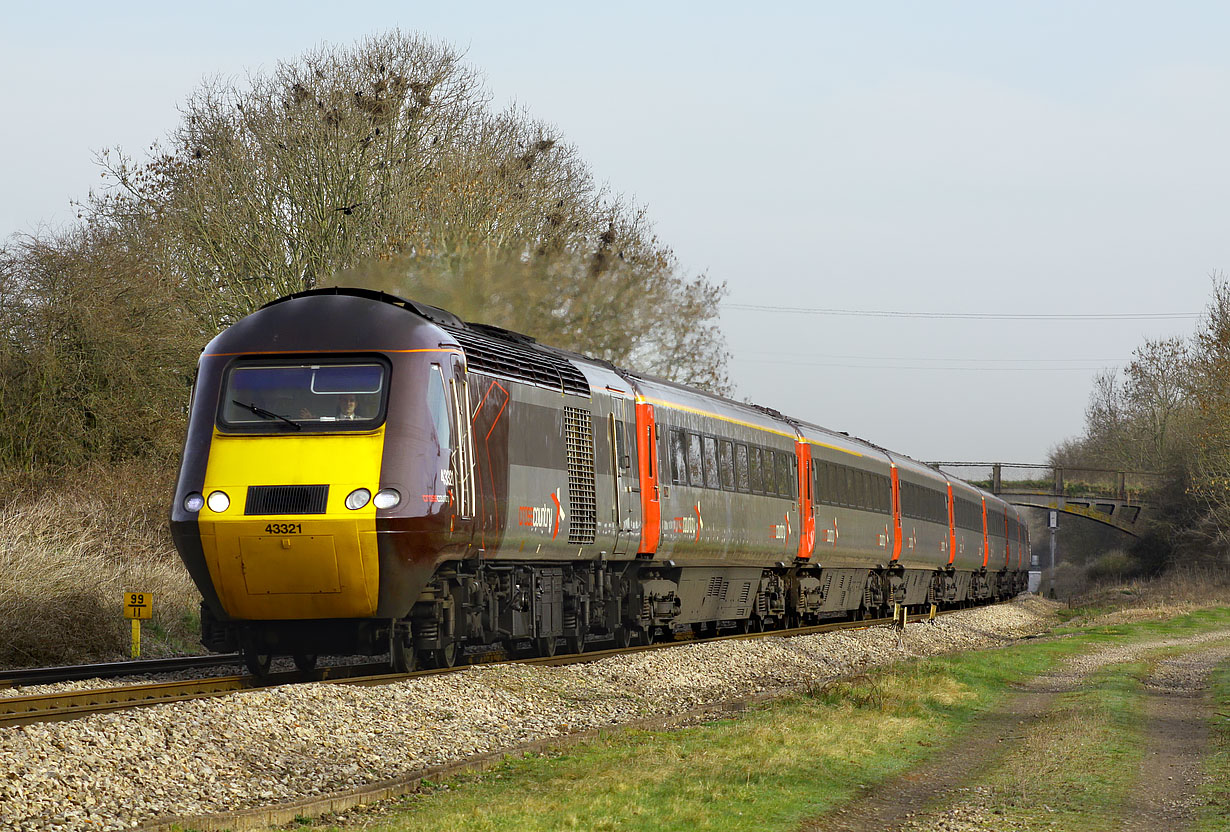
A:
{"x": 65, "y": 705}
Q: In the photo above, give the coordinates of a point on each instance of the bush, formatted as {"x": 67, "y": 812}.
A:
{"x": 1115, "y": 565}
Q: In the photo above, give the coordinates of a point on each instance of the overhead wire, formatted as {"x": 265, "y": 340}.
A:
{"x": 988, "y": 316}
{"x": 935, "y": 367}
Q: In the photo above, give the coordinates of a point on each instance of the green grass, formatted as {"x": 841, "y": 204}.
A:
{"x": 795, "y": 759}
{"x": 1215, "y": 814}
{"x": 1082, "y": 765}
{"x": 766, "y": 770}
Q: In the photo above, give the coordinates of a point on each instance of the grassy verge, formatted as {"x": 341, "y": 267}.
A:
{"x": 799, "y": 757}
{"x": 1215, "y": 814}
{"x": 68, "y": 552}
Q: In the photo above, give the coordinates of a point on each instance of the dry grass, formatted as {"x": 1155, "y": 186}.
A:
{"x": 68, "y": 552}
{"x": 1170, "y": 594}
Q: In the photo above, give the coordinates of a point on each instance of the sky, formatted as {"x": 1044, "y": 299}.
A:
{"x": 1009, "y": 158}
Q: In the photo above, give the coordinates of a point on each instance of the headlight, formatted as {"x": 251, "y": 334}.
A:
{"x": 219, "y": 502}
{"x": 358, "y": 498}
{"x": 194, "y": 502}
{"x": 387, "y": 498}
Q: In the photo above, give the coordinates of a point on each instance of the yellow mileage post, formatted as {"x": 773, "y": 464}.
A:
{"x": 137, "y": 605}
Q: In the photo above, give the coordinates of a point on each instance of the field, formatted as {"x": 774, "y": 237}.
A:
{"x": 1110, "y": 721}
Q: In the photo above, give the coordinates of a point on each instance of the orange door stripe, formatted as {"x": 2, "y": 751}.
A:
{"x": 807, "y": 535}
{"x": 896, "y": 484}
{"x": 647, "y": 461}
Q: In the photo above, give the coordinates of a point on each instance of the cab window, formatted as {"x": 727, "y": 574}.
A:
{"x": 291, "y": 396}
{"x": 437, "y": 406}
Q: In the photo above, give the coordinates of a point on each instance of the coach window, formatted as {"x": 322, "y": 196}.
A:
{"x": 712, "y": 478}
{"x": 756, "y": 476}
{"x": 770, "y": 474}
{"x": 726, "y": 464}
{"x": 621, "y": 446}
{"x": 679, "y": 458}
{"x": 696, "y": 475}
{"x": 741, "y": 467}
{"x": 785, "y": 475}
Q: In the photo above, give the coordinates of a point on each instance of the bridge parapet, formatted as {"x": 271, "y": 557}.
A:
{"x": 1121, "y": 514}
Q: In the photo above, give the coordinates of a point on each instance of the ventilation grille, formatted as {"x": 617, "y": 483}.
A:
{"x": 286, "y": 499}
{"x": 522, "y": 362}
{"x": 582, "y": 499}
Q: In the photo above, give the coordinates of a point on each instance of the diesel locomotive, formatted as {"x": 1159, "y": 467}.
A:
{"x": 364, "y": 474}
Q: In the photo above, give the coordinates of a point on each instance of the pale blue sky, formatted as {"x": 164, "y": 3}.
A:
{"x": 942, "y": 156}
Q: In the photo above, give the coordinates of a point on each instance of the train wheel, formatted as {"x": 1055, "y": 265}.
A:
{"x": 258, "y": 663}
{"x": 401, "y": 651}
{"x": 545, "y": 646}
{"x": 446, "y": 656}
{"x": 305, "y": 661}
{"x": 574, "y": 643}
{"x": 755, "y": 624}
{"x": 623, "y": 638}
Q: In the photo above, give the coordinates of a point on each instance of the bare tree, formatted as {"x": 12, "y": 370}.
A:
{"x": 384, "y": 162}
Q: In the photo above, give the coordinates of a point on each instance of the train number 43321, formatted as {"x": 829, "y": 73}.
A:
{"x": 284, "y": 528}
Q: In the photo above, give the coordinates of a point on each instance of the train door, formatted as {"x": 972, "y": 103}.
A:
{"x": 627, "y": 509}
{"x": 463, "y": 467}
{"x": 807, "y": 517}
{"x": 648, "y": 452}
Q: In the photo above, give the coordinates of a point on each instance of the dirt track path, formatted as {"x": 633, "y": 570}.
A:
{"x": 1177, "y": 709}
{"x": 938, "y": 795}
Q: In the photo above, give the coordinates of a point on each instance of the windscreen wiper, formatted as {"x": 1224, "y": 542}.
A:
{"x": 268, "y": 414}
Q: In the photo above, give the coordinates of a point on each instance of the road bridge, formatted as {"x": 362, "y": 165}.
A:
{"x": 1113, "y": 505}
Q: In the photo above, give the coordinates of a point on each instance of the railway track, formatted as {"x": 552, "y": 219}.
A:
{"x": 110, "y": 670}
{"x": 64, "y": 705}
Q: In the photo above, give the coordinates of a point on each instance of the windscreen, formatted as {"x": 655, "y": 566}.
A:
{"x": 294, "y": 396}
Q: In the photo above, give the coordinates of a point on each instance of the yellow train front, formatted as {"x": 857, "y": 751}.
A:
{"x": 308, "y": 517}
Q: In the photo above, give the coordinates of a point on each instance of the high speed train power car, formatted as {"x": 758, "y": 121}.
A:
{"x": 364, "y": 474}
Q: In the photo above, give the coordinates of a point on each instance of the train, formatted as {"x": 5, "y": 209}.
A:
{"x": 368, "y": 475}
